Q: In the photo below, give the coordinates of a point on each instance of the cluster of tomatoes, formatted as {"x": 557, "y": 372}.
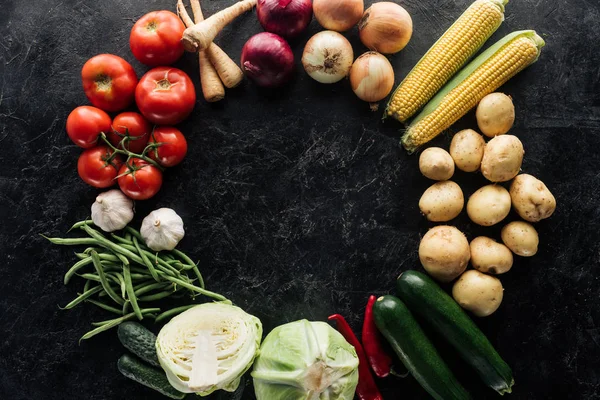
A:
{"x": 133, "y": 148}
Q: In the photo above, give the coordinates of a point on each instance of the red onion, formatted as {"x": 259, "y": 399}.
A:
{"x": 268, "y": 60}
{"x": 287, "y": 18}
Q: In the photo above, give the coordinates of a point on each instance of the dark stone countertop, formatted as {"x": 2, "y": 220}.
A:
{"x": 299, "y": 203}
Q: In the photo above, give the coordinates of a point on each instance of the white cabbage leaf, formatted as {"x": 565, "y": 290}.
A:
{"x": 305, "y": 360}
{"x": 208, "y": 347}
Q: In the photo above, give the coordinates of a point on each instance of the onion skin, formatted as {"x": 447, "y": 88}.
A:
{"x": 372, "y": 77}
{"x": 287, "y": 18}
{"x": 385, "y": 27}
{"x": 267, "y": 59}
{"x": 328, "y": 57}
{"x": 338, "y": 15}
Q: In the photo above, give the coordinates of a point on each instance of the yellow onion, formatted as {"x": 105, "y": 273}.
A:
{"x": 385, "y": 27}
{"x": 338, "y": 15}
{"x": 372, "y": 77}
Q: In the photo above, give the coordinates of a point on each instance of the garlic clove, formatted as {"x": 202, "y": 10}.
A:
{"x": 112, "y": 210}
{"x": 162, "y": 229}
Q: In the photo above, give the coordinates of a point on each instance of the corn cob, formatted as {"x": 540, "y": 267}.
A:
{"x": 460, "y": 42}
{"x": 482, "y": 76}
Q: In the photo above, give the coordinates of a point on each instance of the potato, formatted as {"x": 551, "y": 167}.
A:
{"x": 479, "y": 293}
{"x": 435, "y": 163}
{"x": 489, "y": 256}
{"x": 531, "y": 198}
{"x": 443, "y": 201}
{"x": 444, "y": 252}
{"x": 502, "y": 158}
{"x": 489, "y": 205}
{"x": 495, "y": 114}
{"x": 521, "y": 238}
{"x": 466, "y": 149}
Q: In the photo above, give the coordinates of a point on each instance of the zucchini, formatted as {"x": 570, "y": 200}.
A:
{"x": 396, "y": 323}
{"x": 137, "y": 370}
{"x": 139, "y": 340}
{"x": 428, "y": 300}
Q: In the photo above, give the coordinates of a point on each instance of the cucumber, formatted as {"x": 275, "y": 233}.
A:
{"x": 396, "y": 323}
{"x": 139, "y": 340}
{"x": 135, "y": 369}
{"x": 423, "y": 296}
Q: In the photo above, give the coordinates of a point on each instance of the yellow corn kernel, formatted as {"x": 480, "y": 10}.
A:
{"x": 470, "y": 31}
{"x": 483, "y": 76}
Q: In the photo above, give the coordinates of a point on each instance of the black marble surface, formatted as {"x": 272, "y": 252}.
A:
{"x": 299, "y": 203}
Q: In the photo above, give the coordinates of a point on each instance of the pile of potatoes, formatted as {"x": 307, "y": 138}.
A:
{"x": 444, "y": 251}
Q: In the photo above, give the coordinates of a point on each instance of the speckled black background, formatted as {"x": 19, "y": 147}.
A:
{"x": 299, "y": 203}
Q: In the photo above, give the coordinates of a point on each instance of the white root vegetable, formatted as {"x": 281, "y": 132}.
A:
{"x": 495, "y": 114}
{"x": 479, "y": 293}
{"x": 444, "y": 253}
{"x": 531, "y": 198}
{"x": 521, "y": 238}
{"x": 489, "y": 205}
{"x": 442, "y": 201}
{"x": 435, "y": 163}
{"x": 489, "y": 256}
{"x": 467, "y": 149}
{"x": 200, "y": 36}
{"x": 502, "y": 158}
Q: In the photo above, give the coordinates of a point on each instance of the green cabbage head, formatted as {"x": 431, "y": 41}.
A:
{"x": 305, "y": 360}
{"x": 208, "y": 347}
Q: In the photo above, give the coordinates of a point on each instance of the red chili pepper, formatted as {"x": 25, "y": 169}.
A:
{"x": 366, "y": 389}
{"x": 372, "y": 340}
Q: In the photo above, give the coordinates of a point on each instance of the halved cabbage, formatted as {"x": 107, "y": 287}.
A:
{"x": 305, "y": 360}
{"x": 208, "y": 347}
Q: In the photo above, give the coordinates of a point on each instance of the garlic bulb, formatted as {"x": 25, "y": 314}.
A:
{"x": 112, "y": 210}
{"x": 162, "y": 229}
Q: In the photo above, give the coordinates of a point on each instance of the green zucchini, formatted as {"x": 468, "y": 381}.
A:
{"x": 396, "y": 323}
{"x": 137, "y": 370}
{"x": 423, "y": 296}
{"x": 139, "y": 340}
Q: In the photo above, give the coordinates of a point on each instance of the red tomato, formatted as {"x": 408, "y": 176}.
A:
{"x": 173, "y": 146}
{"x": 133, "y": 126}
{"x": 109, "y": 82}
{"x": 155, "y": 38}
{"x": 165, "y": 95}
{"x": 95, "y": 168}
{"x": 84, "y": 125}
{"x": 139, "y": 180}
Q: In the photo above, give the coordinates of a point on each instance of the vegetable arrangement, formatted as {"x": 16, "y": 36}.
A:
{"x": 210, "y": 346}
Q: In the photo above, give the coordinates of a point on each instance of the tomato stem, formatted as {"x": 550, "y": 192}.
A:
{"x": 130, "y": 154}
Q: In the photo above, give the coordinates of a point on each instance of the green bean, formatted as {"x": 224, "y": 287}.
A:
{"x": 104, "y": 242}
{"x": 87, "y": 286}
{"x": 199, "y": 275}
{"x": 104, "y": 306}
{"x": 106, "y": 325}
{"x": 141, "y": 289}
{"x": 167, "y": 315}
{"x": 126, "y": 306}
{"x": 119, "y": 277}
{"x": 184, "y": 257}
{"x": 119, "y": 239}
{"x": 75, "y": 268}
{"x": 70, "y": 241}
{"x": 81, "y": 297}
{"x": 129, "y": 237}
{"x": 193, "y": 288}
{"x": 147, "y": 262}
{"x": 80, "y": 224}
{"x": 135, "y": 233}
{"x": 103, "y": 279}
{"x": 156, "y": 296}
{"x": 130, "y": 292}
{"x": 123, "y": 259}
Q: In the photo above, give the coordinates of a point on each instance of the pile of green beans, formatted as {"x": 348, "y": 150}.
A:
{"x": 123, "y": 275}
